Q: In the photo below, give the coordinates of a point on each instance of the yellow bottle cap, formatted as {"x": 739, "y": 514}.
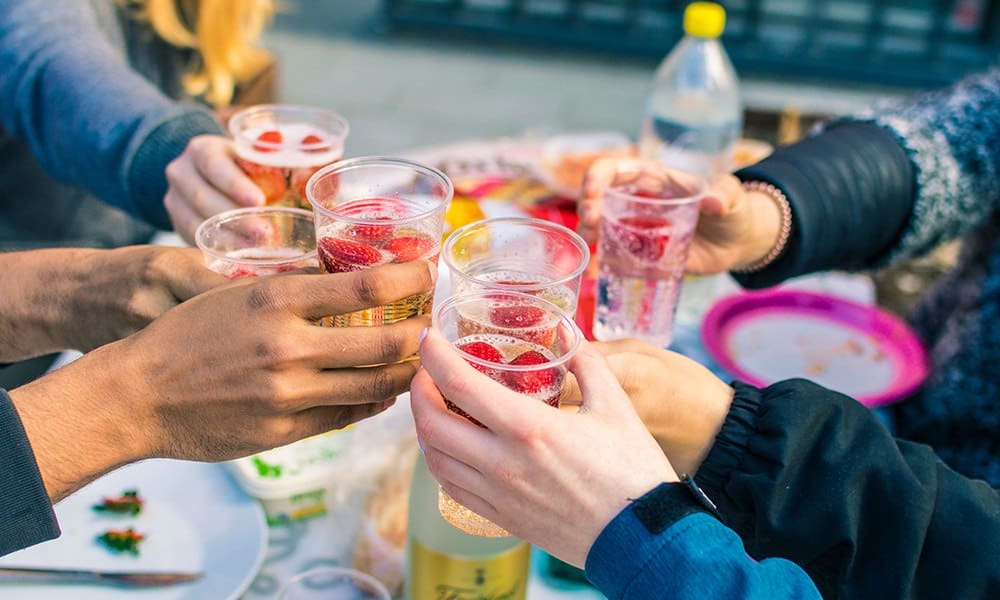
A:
{"x": 704, "y": 19}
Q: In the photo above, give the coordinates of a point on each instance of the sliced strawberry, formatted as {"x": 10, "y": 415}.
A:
{"x": 532, "y": 382}
{"x": 270, "y": 180}
{"x": 643, "y": 235}
{"x": 410, "y": 247}
{"x": 341, "y": 256}
{"x": 458, "y": 411}
{"x": 371, "y": 233}
{"x": 313, "y": 142}
{"x": 268, "y": 140}
{"x": 482, "y": 350}
{"x": 516, "y": 316}
{"x": 240, "y": 272}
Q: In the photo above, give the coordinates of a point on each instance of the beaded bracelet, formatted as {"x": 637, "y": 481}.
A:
{"x": 784, "y": 229}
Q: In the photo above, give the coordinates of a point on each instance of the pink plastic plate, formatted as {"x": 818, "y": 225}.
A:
{"x": 861, "y": 351}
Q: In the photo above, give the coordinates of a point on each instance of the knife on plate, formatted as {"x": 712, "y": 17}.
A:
{"x": 122, "y": 579}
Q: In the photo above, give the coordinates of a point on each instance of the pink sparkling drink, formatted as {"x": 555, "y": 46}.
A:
{"x": 281, "y": 146}
{"x": 645, "y": 235}
{"x": 373, "y": 211}
{"x": 258, "y": 241}
{"x": 519, "y": 340}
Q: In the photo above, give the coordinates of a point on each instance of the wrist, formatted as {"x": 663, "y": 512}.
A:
{"x": 771, "y": 216}
{"x": 80, "y": 423}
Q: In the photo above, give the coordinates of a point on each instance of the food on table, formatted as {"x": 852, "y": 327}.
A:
{"x": 122, "y": 541}
{"x": 128, "y": 503}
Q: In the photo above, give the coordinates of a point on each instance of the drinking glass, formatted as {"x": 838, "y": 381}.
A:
{"x": 280, "y": 146}
{"x": 334, "y": 583}
{"x": 522, "y": 341}
{"x": 646, "y": 230}
{"x": 518, "y": 254}
{"x": 372, "y": 211}
{"x": 259, "y": 240}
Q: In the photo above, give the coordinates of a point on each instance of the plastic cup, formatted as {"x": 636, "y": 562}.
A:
{"x": 372, "y": 211}
{"x": 280, "y": 146}
{"x": 518, "y": 254}
{"x": 646, "y": 230}
{"x": 258, "y": 241}
{"x": 334, "y": 583}
{"x": 521, "y": 341}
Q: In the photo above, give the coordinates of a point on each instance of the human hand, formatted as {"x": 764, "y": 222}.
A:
{"x": 236, "y": 370}
{"x": 205, "y": 180}
{"x": 551, "y": 477}
{"x": 682, "y": 404}
{"x": 734, "y": 228}
{"x": 82, "y": 298}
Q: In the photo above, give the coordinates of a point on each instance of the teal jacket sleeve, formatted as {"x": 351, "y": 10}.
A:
{"x": 26, "y": 515}
{"x": 88, "y": 117}
{"x": 695, "y": 557}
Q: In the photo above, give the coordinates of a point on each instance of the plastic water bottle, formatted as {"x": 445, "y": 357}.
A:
{"x": 694, "y": 114}
{"x": 692, "y": 120}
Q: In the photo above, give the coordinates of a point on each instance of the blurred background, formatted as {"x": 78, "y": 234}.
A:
{"x": 411, "y": 73}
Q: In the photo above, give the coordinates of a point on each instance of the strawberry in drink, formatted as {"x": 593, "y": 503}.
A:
{"x": 280, "y": 147}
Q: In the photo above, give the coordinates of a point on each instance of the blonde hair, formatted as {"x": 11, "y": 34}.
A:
{"x": 223, "y": 32}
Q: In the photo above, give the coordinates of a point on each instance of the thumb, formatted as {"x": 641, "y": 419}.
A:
{"x": 192, "y": 277}
{"x": 598, "y": 385}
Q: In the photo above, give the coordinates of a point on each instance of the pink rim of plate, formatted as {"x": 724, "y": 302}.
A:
{"x": 900, "y": 344}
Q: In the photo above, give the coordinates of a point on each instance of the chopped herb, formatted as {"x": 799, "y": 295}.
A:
{"x": 129, "y": 503}
{"x": 122, "y": 540}
{"x": 266, "y": 470}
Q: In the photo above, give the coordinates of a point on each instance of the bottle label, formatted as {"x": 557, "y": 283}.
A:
{"x": 437, "y": 576}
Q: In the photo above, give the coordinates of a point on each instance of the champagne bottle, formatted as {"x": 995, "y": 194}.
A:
{"x": 443, "y": 562}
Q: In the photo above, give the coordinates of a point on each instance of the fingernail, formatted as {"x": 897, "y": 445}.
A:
{"x": 423, "y": 334}
{"x": 434, "y": 271}
{"x": 420, "y": 444}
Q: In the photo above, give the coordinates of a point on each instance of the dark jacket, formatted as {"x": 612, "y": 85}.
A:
{"x": 807, "y": 474}
{"x": 895, "y": 182}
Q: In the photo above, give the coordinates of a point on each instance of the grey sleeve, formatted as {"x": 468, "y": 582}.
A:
{"x": 26, "y": 516}
{"x": 952, "y": 137}
{"x": 89, "y": 118}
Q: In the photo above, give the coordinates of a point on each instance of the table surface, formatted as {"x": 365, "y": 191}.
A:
{"x": 329, "y": 539}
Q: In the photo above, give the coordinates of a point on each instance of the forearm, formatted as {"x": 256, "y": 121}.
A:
{"x": 851, "y": 191}
{"x": 88, "y": 117}
{"x": 695, "y": 557}
{"x": 41, "y": 288}
{"x": 81, "y": 421}
{"x": 807, "y": 474}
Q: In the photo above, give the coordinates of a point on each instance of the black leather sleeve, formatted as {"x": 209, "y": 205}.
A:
{"x": 807, "y": 474}
{"x": 851, "y": 189}
{"x": 26, "y": 515}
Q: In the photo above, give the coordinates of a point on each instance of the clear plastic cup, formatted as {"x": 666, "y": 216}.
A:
{"x": 518, "y": 254}
{"x": 334, "y": 583}
{"x": 280, "y": 146}
{"x": 372, "y": 211}
{"x": 646, "y": 231}
{"x": 258, "y": 241}
{"x": 519, "y": 340}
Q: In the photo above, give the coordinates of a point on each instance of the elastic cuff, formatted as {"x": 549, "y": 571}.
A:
{"x": 26, "y": 515}
{"x": 731, "y": 443}
{"x": 147, "y": 178}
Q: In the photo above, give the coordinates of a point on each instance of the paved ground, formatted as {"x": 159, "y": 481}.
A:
{"x": 403, "y": 91}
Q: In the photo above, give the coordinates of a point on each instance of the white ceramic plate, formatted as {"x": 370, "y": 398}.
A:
{"x": 195, "y": 519}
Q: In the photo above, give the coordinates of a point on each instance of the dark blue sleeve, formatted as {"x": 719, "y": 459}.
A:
{"x": 851, "y": 190}
{"x": 696, "y": 557}
{"x": 26, "y": 515}
{"x": 89, "y": 118}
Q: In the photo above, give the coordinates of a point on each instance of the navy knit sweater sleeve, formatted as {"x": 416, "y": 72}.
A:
{"x": 89, "y": 118}
{"x": 26, "y": 515}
